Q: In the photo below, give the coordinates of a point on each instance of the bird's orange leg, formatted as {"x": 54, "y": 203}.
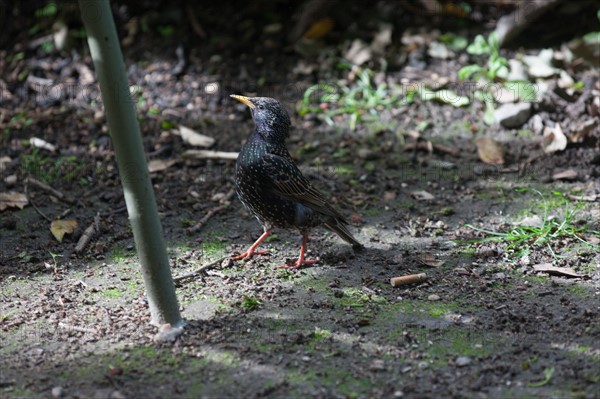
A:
{"x": 301, "y": 261}
{"x": 252, "y": 250}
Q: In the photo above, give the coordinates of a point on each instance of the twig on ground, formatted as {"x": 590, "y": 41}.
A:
{"x": 209, "y": 154}
{"x": 52, "y": 191}
{"x": 436, "y": 147}
{"x": 409, "y": 279}
{"x": 200, "y": 270}
{"x": 42, "y": 214}
{"x": 30, "y": 200}
{"x": 585, "y": 198}
{"x": 88, "y": 234}
{"x": 211, "y": 212}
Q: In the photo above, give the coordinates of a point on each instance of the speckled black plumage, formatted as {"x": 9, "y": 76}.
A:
{"x": 270, "y": 184}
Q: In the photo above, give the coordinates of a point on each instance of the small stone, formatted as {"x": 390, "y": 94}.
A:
{"x": 433, "y": 297}
{"x": 439, "y": 50}
{"x": 463, "y": 361}
{"x": 513, "y": 115}
{"x": 218, "y": 197}
{"x": 505, "y": 96}
{"x": 536, "y": 124}
{"x": 517, "y": 70}
{"x": 486, "y": 251}
{"x": 10, "y": 180}
{"x": 540, "y": 66}
{"x": 117, "y": 395}
{"x": 57, "y": 392}
{"x": 565, "y": 81}
{"x": 306, "y": 358}
{"x": 531, "y": 221}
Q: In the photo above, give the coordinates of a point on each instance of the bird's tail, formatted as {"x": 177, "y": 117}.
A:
{"x": 338, "y": 227}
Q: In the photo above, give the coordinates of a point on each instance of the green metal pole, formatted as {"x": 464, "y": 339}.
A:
{"x": 127, "y": 141}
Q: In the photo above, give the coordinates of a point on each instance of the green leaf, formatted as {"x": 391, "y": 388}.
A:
{"x": 493, "y": 43}
{"x": 455, "y": 42}
{"x": 548, "y": 373}
{"x": 523, "y": 90}
{"x": 592, "y": 38}
{"x": 422, "y": 126}
{"x": 166, "y": 30}
{"x": 450, "y": 97}
{"x": 49, "y": 10}
{"x": 467, "y": 71}
{"x": 479, "y": 46}
{"x": 497, "y": 67}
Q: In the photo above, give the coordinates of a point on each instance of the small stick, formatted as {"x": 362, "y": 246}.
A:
{"x": 438, "y": 147}
{"x": 88, "y": 234}
{"x": 38, "y": 210}
{"x": 49, "y": 189}
{"x": 200, "y": 270}
{"x": 211, "y": 212}
{"x": 209, "y": 154}
{"x": 409, "y": 279}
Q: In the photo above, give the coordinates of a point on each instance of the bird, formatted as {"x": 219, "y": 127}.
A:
{"x": 269, "y": 183}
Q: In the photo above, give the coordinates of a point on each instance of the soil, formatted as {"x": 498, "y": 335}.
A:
{"x": 484, "y": 324}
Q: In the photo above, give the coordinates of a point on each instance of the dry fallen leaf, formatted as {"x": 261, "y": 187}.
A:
{"x": 382, "y": 39}
{"x": 422, "y": 195}
{"x": 489, "y": 150}
{"x": 558, "y": 271}
{"x": 569, "y": 174}
{"x": 358, "y": 53}
{"x": 389, "y": 196}
{"x": 158, "y": 165}
{"x": 592, "y": 240}
{"x": 61, "y": 227}
{"x": 430, "y": 260}
{"x": 194, "y": 138}
{"x": 319, "y": 29}
{"x": 554, "y": 139}
{"x": 12, "y": 199}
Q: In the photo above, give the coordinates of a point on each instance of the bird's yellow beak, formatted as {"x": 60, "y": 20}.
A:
{"x": 243, "y": 100}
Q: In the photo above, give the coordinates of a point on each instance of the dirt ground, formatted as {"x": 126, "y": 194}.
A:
{"x": 485, "y": 323}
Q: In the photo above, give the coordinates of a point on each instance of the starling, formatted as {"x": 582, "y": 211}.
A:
{"x": 271, "y": 186}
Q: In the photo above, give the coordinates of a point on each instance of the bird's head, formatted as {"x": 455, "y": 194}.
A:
{"x": 271, "y": 118}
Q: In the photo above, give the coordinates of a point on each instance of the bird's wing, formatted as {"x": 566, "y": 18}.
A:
{"x": 289, "y": 182}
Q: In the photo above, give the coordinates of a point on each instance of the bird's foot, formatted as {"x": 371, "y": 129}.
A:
{"x": 248, "y": 255}
{"x": 297, "y": 264}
